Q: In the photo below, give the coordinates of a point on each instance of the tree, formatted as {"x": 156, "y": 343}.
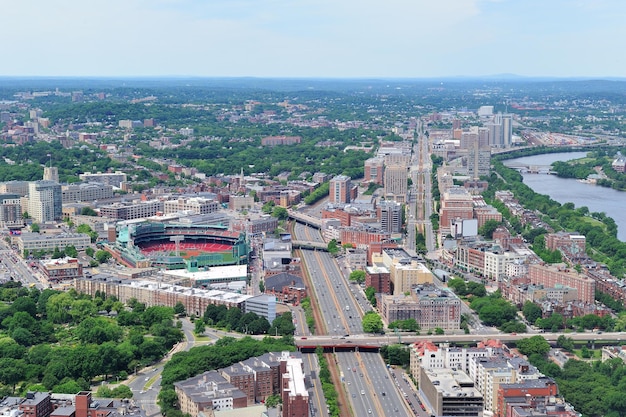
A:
{"x": 372, "y": 323}
{"x": 179, "y": 309}
{"x": 370, "y": 293}
{"x": 488, "y": 228}
{"x": 531, "y": 312}
{"x": 199, "y": 327}
{"x": 71, "y": 251}
{"x": 566, "y": 343}
{"x": 358, "y": 276}
{"x": 333, "y": 249}
{"x": 89, "y": 251}
{"x": 12, "y": 371}
{"x": 273, "y": 400}
{"x": 532, "y": 345}
{"x": 102, "y": 256}
{"x": 34, "y": 228}
{"x": 88, "y": 211}
{"x": 280, "y": 213}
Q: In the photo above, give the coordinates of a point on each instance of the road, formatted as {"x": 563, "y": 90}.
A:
{"x": 317, "y": 401}
{"x": 16, "y": 268}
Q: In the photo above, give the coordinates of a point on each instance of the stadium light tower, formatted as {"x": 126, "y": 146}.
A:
{"x": 177, "y": 240}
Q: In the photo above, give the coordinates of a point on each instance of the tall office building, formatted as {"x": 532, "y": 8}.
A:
{"x": 51, "y": 174}
{"x": 339, "y": 191}
{"x": 45, "y": 201}
{"x": 374, "y": 170}
{"x": 501, "y": 130}
{"x": 507, "y": 130}
{"x": 396, "y": 181}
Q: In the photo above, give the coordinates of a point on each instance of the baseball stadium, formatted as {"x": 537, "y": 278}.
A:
{"x": 178, "y": 246}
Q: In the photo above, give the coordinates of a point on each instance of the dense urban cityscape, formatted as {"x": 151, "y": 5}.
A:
{"x": 252, "y": 247}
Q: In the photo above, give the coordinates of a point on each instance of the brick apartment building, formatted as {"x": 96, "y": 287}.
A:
{"x": 551, "y": 276}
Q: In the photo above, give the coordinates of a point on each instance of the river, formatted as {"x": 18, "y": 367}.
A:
{"x": 567, "y": 190}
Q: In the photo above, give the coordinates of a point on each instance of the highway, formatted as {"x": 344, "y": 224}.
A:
{"x": 342, "y": 305}
{"x": 308, "y": 234}
{"x": 335, "y": 296}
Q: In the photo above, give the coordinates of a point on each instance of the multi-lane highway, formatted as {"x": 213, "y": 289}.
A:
{"x": 342, "y": 305}
{"x": 335, "y": 296}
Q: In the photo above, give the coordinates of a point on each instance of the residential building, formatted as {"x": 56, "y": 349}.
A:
{"x": 295, "y": 397}
{"x": 11, "y": 211}
{"x": 339, "y": 190}
{"x": 542, "y": 387}
{"x": 240, "y": 202}
{"x": 478, "y": 161}
{"x": 208, "y": 391}
{"x": 390, "y": 215}
{"x": 153, "y": 293}
{"x": 280, "y": 140}
{"x": 115, "y": 179}
{"x": 89, "y": 192}
{"x": 378, "y": 276}
{"x": 374, "y": 168}
{"x": 15, "y": 187}
{"x": 36, "y": 404}
{"x": 197, "y": 205}
{"x": 430, "y": 306}
{"x": 456, "y": 202}
{"x": 130, "y": 211}
{"x": 553, "y": 275}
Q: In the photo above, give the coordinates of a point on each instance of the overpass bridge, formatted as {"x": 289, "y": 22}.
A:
{"x": 305, "y": 219}
{"x": 302, "y": 244}
{"x": 372, "y": 343}
{"x": 531, "y": 168}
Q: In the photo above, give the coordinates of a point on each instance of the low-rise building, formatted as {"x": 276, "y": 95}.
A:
{"x": 89, "y": 192}
{"x": 47, "y": 243}
{"x": 430, "y": 306}
{"x": 62, "y": 269}
{"x": 286, "y": 287}
{"x": 208, "y": 391}
{"x": 446, "y": 392}
{"x": 130, "y": 211}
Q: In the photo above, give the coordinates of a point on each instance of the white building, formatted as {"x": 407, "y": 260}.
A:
{"x": 45, "y": 201}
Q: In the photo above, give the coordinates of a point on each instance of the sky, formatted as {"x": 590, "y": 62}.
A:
{"x": 313, "y": 38}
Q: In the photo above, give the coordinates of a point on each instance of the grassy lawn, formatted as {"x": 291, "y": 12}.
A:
{"x": 597, "y": 354}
